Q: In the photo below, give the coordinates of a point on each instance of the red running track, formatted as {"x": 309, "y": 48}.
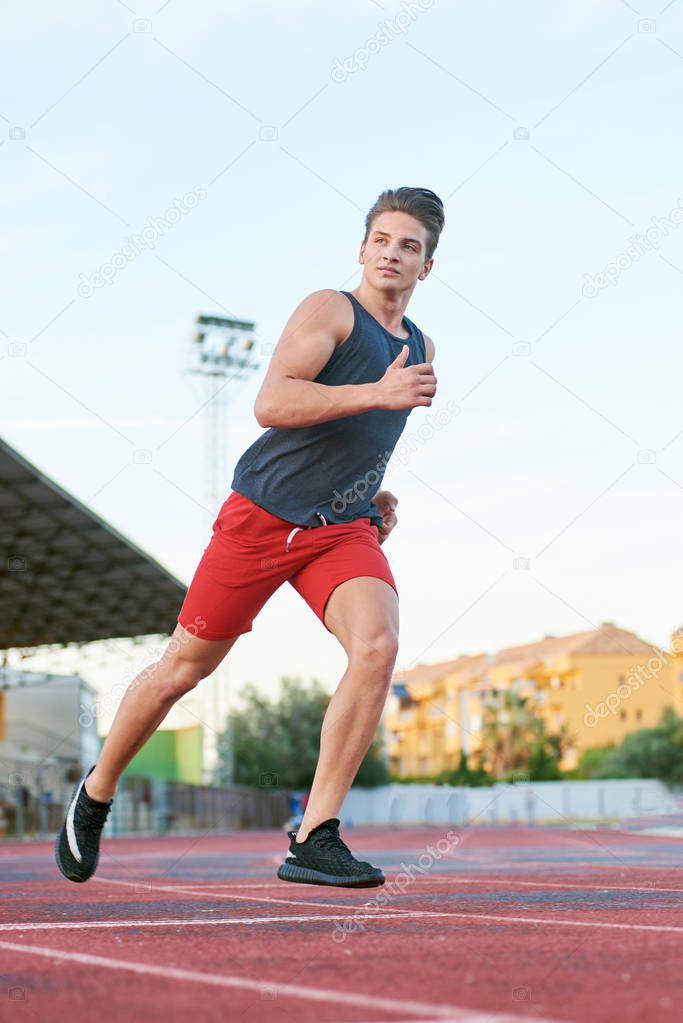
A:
{"x": 489, "y": 925}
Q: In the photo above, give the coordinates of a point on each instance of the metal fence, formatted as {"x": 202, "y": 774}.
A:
{"x": 150, "y": 806}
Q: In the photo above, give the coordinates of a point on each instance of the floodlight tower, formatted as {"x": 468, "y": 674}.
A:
{"x": 221, "y": 351}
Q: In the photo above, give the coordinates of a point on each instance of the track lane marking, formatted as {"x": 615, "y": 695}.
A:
{"x": 445, "y": 879}
{"x": 330, "y": 917}
{"x": 441, "y": 879}
{"x": 209, "y": 890}
{"x": 74, "y": 925}
{"x": 435, "y": 1011}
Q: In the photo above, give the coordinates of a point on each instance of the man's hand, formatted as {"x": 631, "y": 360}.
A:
{"x": 386, "y": 503}
{"x": 404, "y": 386}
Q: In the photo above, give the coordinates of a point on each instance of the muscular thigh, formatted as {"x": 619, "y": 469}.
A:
{"x": 361, "y": 611}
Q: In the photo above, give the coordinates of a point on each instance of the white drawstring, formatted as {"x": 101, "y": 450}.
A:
{"x": 298, "y": 528}
{"x": 289, "y": 538}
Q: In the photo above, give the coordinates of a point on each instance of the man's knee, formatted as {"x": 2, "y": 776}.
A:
{"x": 377, "y": 652}
{"x": 180, "y": 675}
{"x": 176, "y": 681}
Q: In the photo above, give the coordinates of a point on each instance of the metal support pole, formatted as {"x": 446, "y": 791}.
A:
{"x": 19, "y": 802}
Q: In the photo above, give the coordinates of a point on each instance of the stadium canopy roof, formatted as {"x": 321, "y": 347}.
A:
{"x": 66, "y": 576}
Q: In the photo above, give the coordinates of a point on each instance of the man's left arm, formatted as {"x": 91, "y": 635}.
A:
{"x": 386, "y": 501}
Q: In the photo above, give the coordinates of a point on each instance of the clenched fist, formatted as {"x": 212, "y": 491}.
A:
{"x": 386, "y": 503}
{"x": 407, "y": 386}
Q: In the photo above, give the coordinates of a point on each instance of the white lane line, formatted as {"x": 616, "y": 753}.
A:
{"x": 361, "y": 917}
{"x": 241, "y": 885}
{"x": 74, "y": 925}
{"x": 209, "y": 890}
{"x": 440, "y": 879}
{"x": 445, "y": 879}
{"x": 405, "y": 1007}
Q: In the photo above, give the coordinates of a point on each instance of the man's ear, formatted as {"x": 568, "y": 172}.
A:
{"x": 425, "y": 270}
{"x": 361, "y": 254}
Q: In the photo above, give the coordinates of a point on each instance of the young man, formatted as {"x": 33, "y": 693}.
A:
{"x": 305, "y": 508}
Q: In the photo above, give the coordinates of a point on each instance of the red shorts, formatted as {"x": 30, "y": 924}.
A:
{"x": 252, "y": 552}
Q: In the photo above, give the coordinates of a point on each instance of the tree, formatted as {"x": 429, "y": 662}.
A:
{"x": 465, "y": 775}
{"x": 592, "y": 762}
{"x": 515, "y": 742}
{"x": 650, "y": 752}
{"x": 276, "y": 742}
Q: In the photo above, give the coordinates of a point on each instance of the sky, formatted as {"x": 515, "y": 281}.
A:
{"x": 551, "y": 498}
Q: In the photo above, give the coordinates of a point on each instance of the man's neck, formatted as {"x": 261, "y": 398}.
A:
{"x": 388, "y": 309}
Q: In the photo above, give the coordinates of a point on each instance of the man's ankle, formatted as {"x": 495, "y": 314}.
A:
{"x": 99, "y": 794}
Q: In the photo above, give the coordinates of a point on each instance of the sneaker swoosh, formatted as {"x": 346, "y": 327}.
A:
{"x": 70, "y": 830}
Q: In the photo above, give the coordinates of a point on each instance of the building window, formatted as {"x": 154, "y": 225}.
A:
{"x": 639, "y": 715}
{"x": 622, "y": 715}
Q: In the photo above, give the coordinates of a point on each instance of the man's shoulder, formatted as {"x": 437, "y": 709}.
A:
{"x": 329, "y": 299}
{"x": 331, "y": 307}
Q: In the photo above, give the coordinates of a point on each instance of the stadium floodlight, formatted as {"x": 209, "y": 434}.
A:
{"x": 223, "y": 347}
{"x": 221, "y": 351}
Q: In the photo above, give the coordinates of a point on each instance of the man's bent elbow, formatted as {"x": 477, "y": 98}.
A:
{"x": 264, "y": 413}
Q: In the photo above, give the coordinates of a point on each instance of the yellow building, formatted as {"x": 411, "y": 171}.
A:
{"x": 601, "y": 684}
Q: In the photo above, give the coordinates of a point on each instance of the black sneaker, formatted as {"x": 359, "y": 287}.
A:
{"x": 324, "y": 859}
{"x": 77, "y": 848}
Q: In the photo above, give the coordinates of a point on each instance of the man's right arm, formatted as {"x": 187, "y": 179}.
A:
{"x": 289, "y": 395}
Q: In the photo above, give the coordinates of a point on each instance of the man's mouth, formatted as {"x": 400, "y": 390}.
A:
{"x": 388, "y": 270}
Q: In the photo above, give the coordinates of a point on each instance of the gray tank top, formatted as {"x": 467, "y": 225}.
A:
{"x": 331, "y": 471}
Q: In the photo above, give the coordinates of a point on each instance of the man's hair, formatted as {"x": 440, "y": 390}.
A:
{"x": 420, "y": 203}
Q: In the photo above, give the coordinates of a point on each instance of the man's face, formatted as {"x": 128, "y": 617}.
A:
{"x": 398, "y": 242}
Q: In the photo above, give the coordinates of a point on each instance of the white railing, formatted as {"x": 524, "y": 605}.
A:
{"x": 528, "y": 802}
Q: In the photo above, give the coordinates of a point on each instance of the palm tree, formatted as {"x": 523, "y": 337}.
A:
{"x": 510, "y": 731}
